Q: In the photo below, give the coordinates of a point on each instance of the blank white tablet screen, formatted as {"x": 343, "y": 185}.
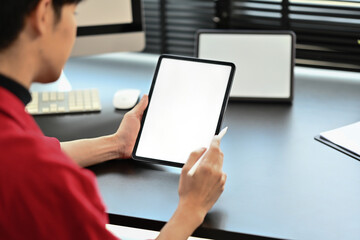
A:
{"x": 184, "y": 109}
{"x": 263, "y": 61}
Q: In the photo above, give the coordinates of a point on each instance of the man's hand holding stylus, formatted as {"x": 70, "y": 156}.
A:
{"x": 202, "y": 190}
{"x": 198, "y": 193}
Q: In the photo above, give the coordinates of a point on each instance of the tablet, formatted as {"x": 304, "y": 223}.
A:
{"x": 264, "y": 61}
{"x": 187, "y": 101}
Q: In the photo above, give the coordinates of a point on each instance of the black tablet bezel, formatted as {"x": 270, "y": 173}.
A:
{"x": 263, "y": 32}
{"x": 223, "y": 108}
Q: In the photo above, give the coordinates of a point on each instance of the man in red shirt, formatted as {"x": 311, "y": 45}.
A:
{"x": 44, "y": 193}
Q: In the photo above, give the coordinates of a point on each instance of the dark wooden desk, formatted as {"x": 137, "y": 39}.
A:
{"x": 281, "y": 182}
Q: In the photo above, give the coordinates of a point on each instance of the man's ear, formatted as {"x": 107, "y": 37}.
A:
{"x": 42, "y": 17}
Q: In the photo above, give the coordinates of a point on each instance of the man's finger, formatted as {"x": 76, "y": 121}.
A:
{"x": 216, "y": 141}
{"x": 194, "y": 157}
{"x": 139, "y": 109}
{"x": 215, "y": 156}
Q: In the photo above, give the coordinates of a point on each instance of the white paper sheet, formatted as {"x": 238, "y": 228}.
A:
{"x": 347, "y": 137}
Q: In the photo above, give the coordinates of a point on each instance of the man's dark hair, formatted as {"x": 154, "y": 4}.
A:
{"x": 13, "y": 14}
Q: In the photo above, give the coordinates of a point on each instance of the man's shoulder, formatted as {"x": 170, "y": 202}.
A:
{"x": 19, "y": 146}
{"x": 13, "y": 116}
{"x": 35, "y": 164}
{"x": 31, "y": 156}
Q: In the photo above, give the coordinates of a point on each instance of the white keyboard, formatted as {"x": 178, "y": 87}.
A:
{"x": 76, "y": 101}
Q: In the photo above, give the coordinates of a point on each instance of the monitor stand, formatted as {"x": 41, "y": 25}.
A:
{"x": 60, "y": 85}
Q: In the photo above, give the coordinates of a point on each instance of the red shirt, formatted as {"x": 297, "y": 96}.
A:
{"x": 43, "y": 193}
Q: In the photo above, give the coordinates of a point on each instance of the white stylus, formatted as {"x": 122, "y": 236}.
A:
{"x": 193, "y": 169}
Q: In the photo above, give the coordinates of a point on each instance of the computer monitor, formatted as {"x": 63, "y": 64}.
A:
{"x": 104, "y": 26}
{"x": 109, "y": 26}
{"x": 264, "y": 61}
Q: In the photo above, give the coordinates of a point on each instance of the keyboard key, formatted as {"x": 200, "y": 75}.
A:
{"x": 75, "y": 108}
{"x": 53, "y": 96}
{"x": 45, "y": 96}
{"x": 61, "y": 96}
{"x": 53, "y": 108}
{"x": 32, "y": 110}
